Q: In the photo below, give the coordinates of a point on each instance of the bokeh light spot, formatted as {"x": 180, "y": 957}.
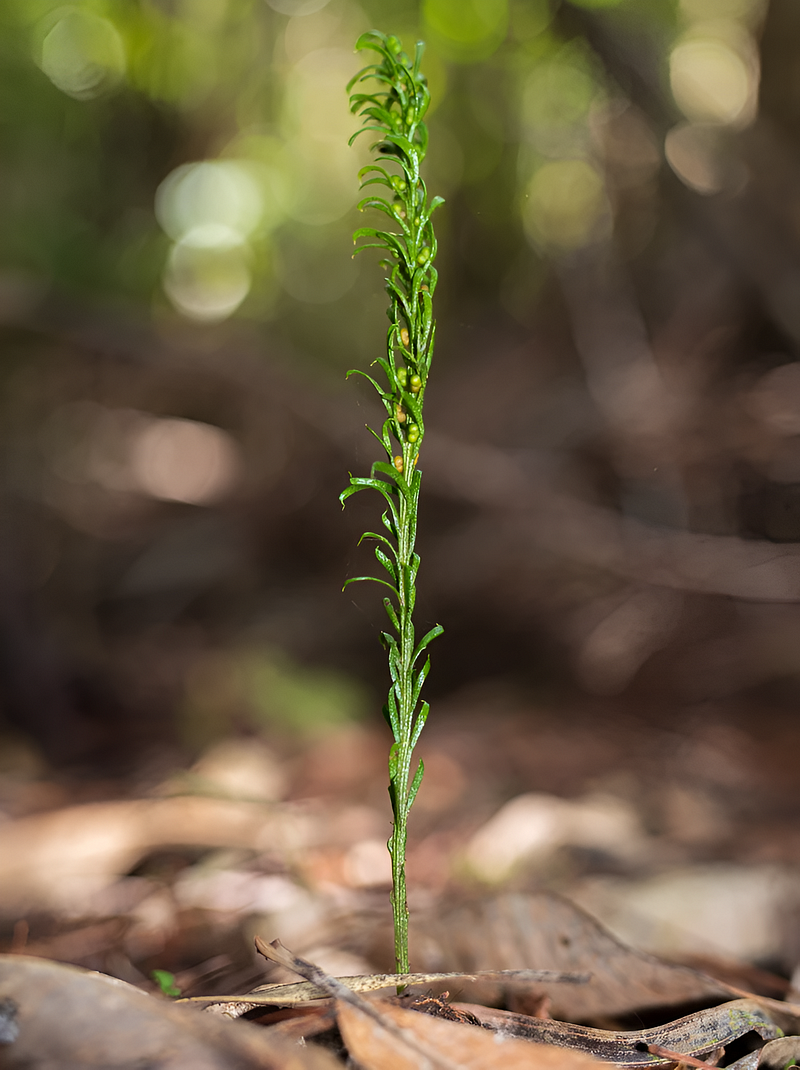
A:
{"x": 467, "y": 29}
{"x": 207, "y": 282}
{"x": 216, "y": 192}
{"x": 83, "y": 54}
{"x": 316, "y": 125}
{"x": 711, "y": 82}
{"x": 183, "y": 461}
{"x": 698, "y": 156}
{"x": 556, "y": 98}
{"x": 529, "y": 20}
{"x": 128, "y": 451}
{"x": 566, "y": 205}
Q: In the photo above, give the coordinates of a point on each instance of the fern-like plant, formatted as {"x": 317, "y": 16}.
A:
{"x": 395, "y": 111}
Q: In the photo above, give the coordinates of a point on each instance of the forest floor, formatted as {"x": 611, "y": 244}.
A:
{"x": 677, "y": 832}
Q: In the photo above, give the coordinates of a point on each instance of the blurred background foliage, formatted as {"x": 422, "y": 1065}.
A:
{"x": 612, "y": 492}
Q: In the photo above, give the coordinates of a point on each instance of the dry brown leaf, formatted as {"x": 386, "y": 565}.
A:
{"x": 777, "y": 1054}
{"x": 450, "y": 1044}
{"x": 57, "y": 1017}
{"x": 301, "y": 992}
{"x": 695, "y": 1035}
{"x": 56, "y": 860}
{"x": 547, "y": 932}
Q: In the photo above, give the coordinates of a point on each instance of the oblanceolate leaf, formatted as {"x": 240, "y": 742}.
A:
{"x": 386, "y": 562}
{"x": 419, "y": 724}
{"x": 435, "y": 631}
{"x": 391, "y": 614}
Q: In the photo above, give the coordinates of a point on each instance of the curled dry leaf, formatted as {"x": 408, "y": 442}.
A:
{"x": 777, "y": 1054}
{"x": 446, "y": 1044}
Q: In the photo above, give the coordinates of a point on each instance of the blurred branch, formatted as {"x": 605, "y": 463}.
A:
{"x": 528, "y": 511}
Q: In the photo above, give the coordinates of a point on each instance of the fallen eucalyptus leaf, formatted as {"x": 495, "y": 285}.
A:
{"x": 466, "y": 1047}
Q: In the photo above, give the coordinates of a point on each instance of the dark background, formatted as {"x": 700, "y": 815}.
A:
{"x": 611, "y": 494}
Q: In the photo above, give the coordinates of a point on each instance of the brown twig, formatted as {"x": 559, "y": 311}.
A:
{"x": 276, "y": 952}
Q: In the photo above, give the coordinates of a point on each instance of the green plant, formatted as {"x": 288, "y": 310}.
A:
{"x": 166, "y": 982}
{"x": 395, "y": 111}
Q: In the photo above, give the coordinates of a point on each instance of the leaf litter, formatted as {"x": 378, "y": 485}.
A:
{"x": 125, "y": 897}
{"x": 56, "y": 1015}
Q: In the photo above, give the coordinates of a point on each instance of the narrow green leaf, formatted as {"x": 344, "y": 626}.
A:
{"x": 397, "y": 810}
{"x": 420, "y": 680}
{"x": 434, "y": 633}
{"x": 374, "y": 167}
{"x": 369, "y": 245}
{"x": 388, "y": 370}
{"x": 370, "y": 579}
{"x": 379, "y": 114}
{"x": 389, "y": 643}
{"x": 368, "y": 232}
{"x": 390, "y": 713}
{"x": 387, "y": 563}
{"x": 391, "y": 614}
{"x": 347, "y": 492}
{"x": 403, "y": 144}
{"x": 379, "y": 538}
{"x": 415, "y": 783}
{"x": 365, "y": 129}
{"x": 411, "y": 403}
{"x": 358, "y": 483}
{"x": 419, "y": 49}
{"x": 393, "y": 242}
{"x": 380, "y": 205}
{"x": 419, "y": 724}
{"x": 361, "y": 74}
{"x": 372, "y": 181}
{"x": 394, "y": 761}
{"x": 365, "y": 375}
{"x": 373, "y": 39}
{"x": 386, "y": 469}
{"x": 384, "y": 440}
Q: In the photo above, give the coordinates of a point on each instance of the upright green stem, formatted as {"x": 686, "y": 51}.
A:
{"x": 396, "y": 112}
{"x": 400, "y": 783}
